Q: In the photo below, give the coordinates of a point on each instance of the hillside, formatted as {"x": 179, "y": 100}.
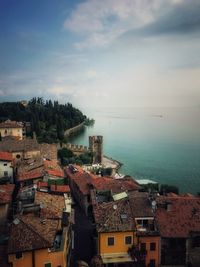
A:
{"x": 48, "y": 119}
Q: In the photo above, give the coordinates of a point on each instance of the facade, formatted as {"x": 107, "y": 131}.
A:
{"x": 6, "y": 167}
{"x": 21, "y": 149}
{"x": 12, "y": 128}
{"x": 45, "y": 231}
{"x": 178, "y": 219}
{"x": 126, "y": 232}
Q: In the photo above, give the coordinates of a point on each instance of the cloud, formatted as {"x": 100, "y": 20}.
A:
{"x": 99, "y": 23}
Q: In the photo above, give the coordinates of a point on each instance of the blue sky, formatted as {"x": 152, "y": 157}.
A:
{"x": 100, "y": 53}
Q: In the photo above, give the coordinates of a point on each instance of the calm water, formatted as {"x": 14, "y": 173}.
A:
{"x": 159, "y": 144}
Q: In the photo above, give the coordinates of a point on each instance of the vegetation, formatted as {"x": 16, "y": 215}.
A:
{"x": 89, "y": 122}
{"x": 164, "y": 188}
{"x": 66, "y": 157}
{"x": 49, "y": 120}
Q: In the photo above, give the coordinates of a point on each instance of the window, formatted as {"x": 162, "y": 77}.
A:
{"x": 111, "y": 241}
{"x": 18, "y": 156}
{"x": 152, "y": 263}
{"x": 47, "y": 264}
{"x": 18, "y": 255}
{"x": 152, "y": 246}
{"x": 128, "y": 240}
{"x": 5, "y": 164}
{"x": 5, "y": 173}
{"x": 143, "y": 246}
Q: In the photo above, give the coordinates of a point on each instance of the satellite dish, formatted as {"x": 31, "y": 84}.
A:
{"x": 115, "y": 207}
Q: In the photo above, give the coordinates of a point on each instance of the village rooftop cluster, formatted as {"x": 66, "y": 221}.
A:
{"x": 130, "y": 227}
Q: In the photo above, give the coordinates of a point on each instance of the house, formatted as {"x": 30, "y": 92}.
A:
{"x": 178, "y": 220}
{"x": 126, "y": 232}
{"x": 42, "y": 236}
{"x": 11, "y": 128}
{"x": 81, "y": 183}
{"x": 6, "y": 167}
{"x": 20, "y": 149}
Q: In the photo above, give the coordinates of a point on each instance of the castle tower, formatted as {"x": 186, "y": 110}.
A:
{"x": 96, "y": 147}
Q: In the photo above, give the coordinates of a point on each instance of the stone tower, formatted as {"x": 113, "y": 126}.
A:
{"x": 96, "y": 147}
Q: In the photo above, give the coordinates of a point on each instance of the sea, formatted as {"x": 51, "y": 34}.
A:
{"x": 161, "y": 144}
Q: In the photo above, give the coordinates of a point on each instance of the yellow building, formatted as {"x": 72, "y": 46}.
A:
{"x": 11, "y": 128}
{"x": 42, "y": 238}
{"x": 126, "y": 232}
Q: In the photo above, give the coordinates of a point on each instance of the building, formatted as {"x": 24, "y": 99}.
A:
{"x": 126, "y": 231}
{"x": 6, "y": 167}
{"x": 178, "y": 219}
{"x": 12, "y": 128}
{"x": 96, "y": 147}
{"x": 81, "y": 183}
{"x": 21, "y": 149}
{"x": 41, "y": 235}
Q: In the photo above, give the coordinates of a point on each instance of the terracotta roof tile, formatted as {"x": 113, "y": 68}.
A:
{"x": 84, "y": 180}
{"x": 29, "y": 175}
{"x": 30, "y": 232}
{"x": 113, "y": 216}
{"x": 54, "y": 204}
{"x": 6, "y": 156}
{"x": 57, "y": 173}
{"x": 60, "y": 188}
{"x": 182, "y": 217}
{"x": 11, "y": 124}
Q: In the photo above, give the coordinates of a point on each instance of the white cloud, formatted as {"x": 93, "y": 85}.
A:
{"x": 99, "y": 23}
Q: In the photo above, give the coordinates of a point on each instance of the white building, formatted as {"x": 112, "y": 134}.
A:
{"x": 6, "y": 166}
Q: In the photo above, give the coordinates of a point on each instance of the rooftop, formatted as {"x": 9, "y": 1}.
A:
{"x": 11, "y": 145}
{"x": 113, "y": 216}
{"x": 85, "y": 180}
{"x": 30, "y": 232}
{"x": 29, "y": 175}
{"x": 178, "y": 216}
{"x": 6, "y": 156}
{"x": 53, "y": 204}
{"x": 11, "y": 124}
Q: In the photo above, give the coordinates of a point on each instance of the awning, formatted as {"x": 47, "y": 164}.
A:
{"x": 116, "y": 258}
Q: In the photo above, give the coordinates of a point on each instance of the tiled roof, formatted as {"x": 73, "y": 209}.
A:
{"x": 182, "y": 217}
{"x": 6, "y": 192}
{"x": 53, "y": 204}
{"x": 6, "y": 156}
{"x": 29, "y": 175}
{"x": 57, "y": 173}
{"x": 84, "y": 180}
{"x": 30, "y": 232}
{"x": 10, "y": 145}
{"x": 113, "y": 216}
{"x": 49, "y": 151}
{"x": 116, "y": 185}
{"x": 60, "y": 188}
{"x": 11, "y": 124}
{"x": 140, "y": 204}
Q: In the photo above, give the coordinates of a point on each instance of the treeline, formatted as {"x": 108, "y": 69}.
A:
{"x": 49, "y": 119}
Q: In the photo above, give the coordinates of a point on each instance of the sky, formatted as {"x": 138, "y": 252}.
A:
{"x": 101, "y": 53}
